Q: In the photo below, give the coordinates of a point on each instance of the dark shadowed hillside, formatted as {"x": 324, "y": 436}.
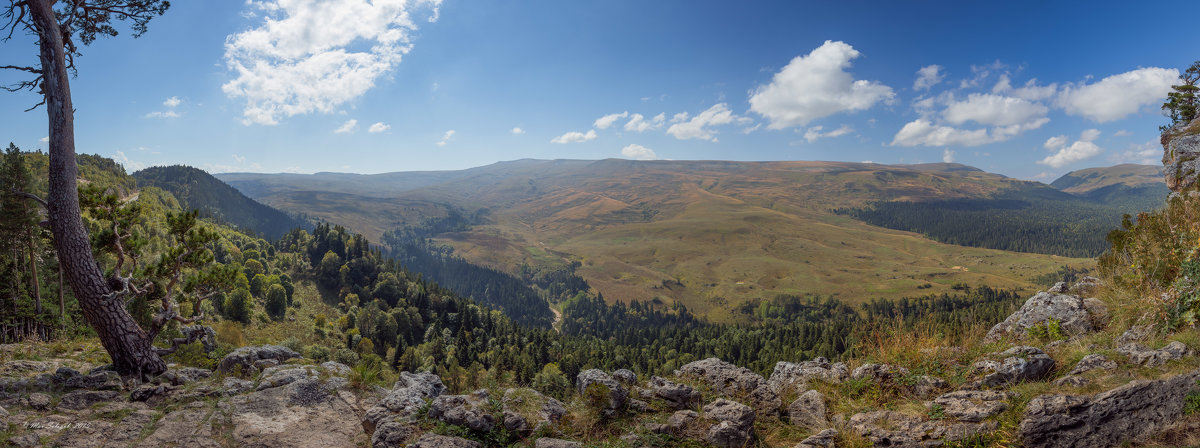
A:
{"x": 215, "y": 199}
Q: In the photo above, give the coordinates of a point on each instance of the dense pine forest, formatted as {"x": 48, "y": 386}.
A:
{"x": 196, "y": 189}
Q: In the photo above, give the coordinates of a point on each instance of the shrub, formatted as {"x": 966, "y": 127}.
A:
{"x": 318, "y": 353}
{"x": 276, "y": 301}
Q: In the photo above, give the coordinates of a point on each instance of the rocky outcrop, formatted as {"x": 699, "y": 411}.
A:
{"x": 899, "y": 378}
{"x": 1073, "y": 314}
{"x": 1092, "y": 362}
{"x": 823, "y": 439}
{"x": 1181, "y": 149}
{"x": 526, "y": 410}
{"x": 407, "y": 396}
{"x": 677, "y": 396}
{"x": 1110, "y": 418}
{"x": 808, "y": 411}
{"x": 733, "y": 381}
{"x": 797, "y": 376}
{"x": 1141, "y": 354}
{"x": 612, "y": 394}
{"x": 469, "y": 411}
{"x": 971, "y": 405}
{"x": 735, "y": 423}
{"x": 894, "y": 429}
{"x": 431, "y": 440}
{"x": 244, "y": 358}
{"x": 547, "y": 442}
{"x": 1021, "y": 363}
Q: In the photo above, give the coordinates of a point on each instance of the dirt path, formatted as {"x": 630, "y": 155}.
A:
{"x": 557, "y": 325}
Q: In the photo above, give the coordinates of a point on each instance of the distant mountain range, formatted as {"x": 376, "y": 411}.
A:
{"x": 196, "y": 189}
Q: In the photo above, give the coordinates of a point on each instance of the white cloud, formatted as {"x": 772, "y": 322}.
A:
{"x": 378, "y": 127}
{"x": 575, "y": 137}
{"x": 518, "y": 131}
{"x": 1122, "y": 133}
{"x": 1118, "y": 96}
{"x": 446, "y": 138}
{"x": 312, "y": 56}
{"x": 928, "y": 76}
{"x": 816, "y": 85}
{"x": 1079, "y": 150}
{"x": 814, "y": 133}
{"x": 163, "y": 114}
{"x": 947, "y": 156}
{"x": 172, "y": 101}
{"x": 638, "y": 152}
{"x": 130, "y": 165}
{"x": 239, "y": 159}
{"x": 638, "y": 123}
{"x": 45, "y": 139}
{"x": 923, "y": 132}
{"x": 1033, "y": 92}
{"x": 1148, "y": 153}
{"x": 699, "y": 126}
{"x": 1003, "y": 85}
{"x": 993, "y": 110}
{"x": 608, "y": 120}
{"x": 347, "y": 127}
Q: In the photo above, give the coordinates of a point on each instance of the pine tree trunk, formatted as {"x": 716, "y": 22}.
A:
{"x": 62, "y": 305}
{"x": 127, "y": 344}
{"x": 33, "y": 273}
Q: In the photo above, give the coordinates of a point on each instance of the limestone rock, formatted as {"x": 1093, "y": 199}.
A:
{"x": 1071, "y": 381}
{"x": 190, "y": 426}
{"x": 1021, "y": 363}
{"x": 680, "y": 422}
{"x": 823, "y": 439}
{"x": 1092, "y": 362}
{"x": 1135, "y": 333}
{"x": 798, "y": 375}
{"x": 547, "y": 442}
{"x": 625, "y": 376}
{"x": 69, "y": 378}
{"x": 464, "y": 410}
{"x": 727, "y": 435}
{"x": 893, "y": 429}
{"x": 39, "y": 401}
{"x": 526, "y": 409}
{"x": 83, "y": 399}
{"x": 1110, "y": 418}
{"x": 431, "y": 440}
{"x": 1140, "y": 354}
{"x": 678, "y": 396}
{"x": 972, "y": 405}
{"x": 306, "y": 412}
{"x": 1181, "y": 151}
{"x": 407, "y": 396}
{"x": 234, "y": 386}
{"x": 730, "y": 380}
{"x": 1075, "y": 316}
{"x": 735, "y": 423}
{"x": 179, "y": 377}
{"x": 808, "y": 411}
{"x": 615, "y": 395}
{"x": 899, "y": 378}
{"x": 392, "y": 434}
{"x": 245, "y": 357}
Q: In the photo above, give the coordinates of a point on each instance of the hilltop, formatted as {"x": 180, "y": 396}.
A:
{"x": 196, "y": 189}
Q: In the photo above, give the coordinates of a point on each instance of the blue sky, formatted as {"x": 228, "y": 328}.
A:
{"x": 1027, "y": 89}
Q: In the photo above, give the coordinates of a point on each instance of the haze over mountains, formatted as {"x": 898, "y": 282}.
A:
{"x": 714, "y": 234}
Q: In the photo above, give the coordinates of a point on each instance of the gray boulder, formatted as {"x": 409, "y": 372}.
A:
{"x": 1021, "y": 363}
{"x": 797, "y": 376}
{"x": 1127, "y": 413}
{"x": 678, "y": 396}
{"x": 83, "y": 399}
{"x": 899, "y": 378}
{"x": 1141, "y": 354}
{"x": 972, "y": 405}
{"x": 38, "y": 401}
{"x": 469, "y": 411}
{"x": 245, "y": 357}
{"x": 808, "y": 411}
{"x": 823, "y": 439}
{"x": 407, "y": 397}
{"x": 234, "y": 386}
{"x": 1136, "y": 333}
{"x": 392, "y": 434}
{"x": 615, "y": 397}
{"x": 431, "y": 440}
{"x": 1092, "y": 362}
{"x": 733, "y": 381}
{"x": 735, "y": 423}
{"x": 893, "y": 429}
{"x": 625, "y": 376}
{"x": 69, "y": 378}
{"x": 1074, "y": 315}
{"x": 525, "y": 410}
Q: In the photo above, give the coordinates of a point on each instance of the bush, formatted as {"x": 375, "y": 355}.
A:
{"x": 238, "y": 306}
{"x": 276, "y": 301}
{"x": 346, "y": 356}
{"x": 318, "y": 353}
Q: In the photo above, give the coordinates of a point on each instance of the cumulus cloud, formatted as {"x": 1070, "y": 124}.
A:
{"x": 814, "y": 133}
{"x": 993, "y": 110}
{"x": 347, "y": 127}
{"x": 638, "y": 123}
{"x": 608, "y": 120}
{"x": 378, "y": 127}
{"x": 928, "y": 76}
{"x": 1065, "y": 154}
{"x": 170, "y": 104}
{"x": 1122, "y": 133}
{"x": 446, "y": 138}
{"x": 638, "y": 152}
{"x": 130, "y": 165}
{"x": 312, "y": 56}
{"x": 1148, "y": 153}
{"x": 922, "y": 132}
{"x": 575, "y": 137}
{"x": 947, "y": 156}
{"x": 816, "y": 85}
{"x": 45, "y": 139}
{"x": 1033, "y": 92}
{"x": 1118, "y": 96}
{"x": 700, "y": 126}
{"x": 518, "y": 131}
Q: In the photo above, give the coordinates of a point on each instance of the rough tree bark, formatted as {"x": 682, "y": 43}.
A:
{"x": 129, "y": 347}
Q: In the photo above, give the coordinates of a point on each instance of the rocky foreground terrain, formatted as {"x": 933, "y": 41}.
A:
{"x": 1053, "y": 395}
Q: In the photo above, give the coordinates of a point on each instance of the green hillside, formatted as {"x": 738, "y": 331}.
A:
{"x": 215, "y": 199}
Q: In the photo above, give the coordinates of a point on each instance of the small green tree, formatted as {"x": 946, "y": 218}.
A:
{"x": 258, "y": 285}
{"x": 276, "y": 301}
{"x": 237, "y": 306}
{"x": 552, "y": 382}
{"x": 1181, "y": 105}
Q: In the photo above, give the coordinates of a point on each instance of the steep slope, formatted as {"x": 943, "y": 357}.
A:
{"x": 1132, "y": 186}
{"x": 197, "y": 189}
{"x": 711, "y": 234}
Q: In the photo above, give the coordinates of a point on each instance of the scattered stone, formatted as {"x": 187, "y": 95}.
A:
{"x": 972, "y": 405}
{"x": 614, "y": 396}
{"x": 639, "y": 406}
{"x": 39, "y": 401}
{"x": 234, "y": 386}
{"x": 1092, "y": 362}
{"x": 391, "y": 434}
{"x": 1136, "y": 333}
{"x": 284, "y": 375}
{"x": 1071, "y": 381}
{"x": 336, "y": 368}
{"x": 245, "y": 357}
{"x": 808, "y": 411}
{"x": 179, "y": 377}
{"x": 464, "y": 410}
{"x": 678, "y": 396}
{"x": 730, "y": 380}
{"x": 735, "y": 423}
{"x": 146, "y": 392}
{"x": 546, "y": 442}
{"x": 1074, "y": 315}
{"x": 797, "y": 376}
{"x": 1020, "y": 363}
{"x": 28, "y": 440}
{"x": 407, "y": 397}
{"x": 265, "y": 363}
{"x": 893, "y": 429}
{"x": 22, "y": 367}
{"x": 306, "y": 412}
{"x": 69, "y": 378}
{"x": 880, "y": 373}
{"x": 523, "y": 406}
{"x": 83, "y": 399}
{"x": 625, "y": 376}
{"x": 679, "y": 422}
{"x": 1127, "y": 413}
{"x": 727, "y": 435}
{"x": 823, "y": 439}
{"x": 1140, "y": 354}
{"x": 1086, "y": 285}
{"x": 431, "y": 440}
